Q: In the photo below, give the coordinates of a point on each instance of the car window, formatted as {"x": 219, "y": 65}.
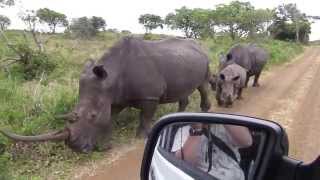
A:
{"x": 175, "y": 138}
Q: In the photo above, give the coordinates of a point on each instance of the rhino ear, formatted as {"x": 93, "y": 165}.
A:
{"x": 236, "y": 78}
{"x": 222, "y": 77}
{"x": 100, "y": 72}
{"x": 229, "y": 57}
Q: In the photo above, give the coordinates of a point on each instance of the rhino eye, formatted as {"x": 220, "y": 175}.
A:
{"x": 222, "y": 77}
{"x": 236, "y": 78}
{"x": 93, "y": 115}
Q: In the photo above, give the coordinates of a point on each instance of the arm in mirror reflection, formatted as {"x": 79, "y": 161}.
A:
{"x": 213, "y": 148}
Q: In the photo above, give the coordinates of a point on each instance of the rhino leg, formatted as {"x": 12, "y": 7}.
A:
{"x": 218, "y": 93}
{"x": 205, "y": 102}
{"x": 104, "y": 141}
{"x": 240, "y": 93}
{"x": 183, "y": 103}
{"x": 247, "y": 80}
{"x": 148, "y": 109}
{"x": 256, "y": 79}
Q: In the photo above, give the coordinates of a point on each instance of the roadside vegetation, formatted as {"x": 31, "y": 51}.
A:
{"x": 39, "y": 73}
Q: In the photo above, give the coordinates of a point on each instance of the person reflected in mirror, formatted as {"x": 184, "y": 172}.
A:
{"x": 213, "y": 148}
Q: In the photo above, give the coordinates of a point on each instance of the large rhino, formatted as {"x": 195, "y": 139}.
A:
{"x": 135, "y": 73}
{"x": 251, "y": 57}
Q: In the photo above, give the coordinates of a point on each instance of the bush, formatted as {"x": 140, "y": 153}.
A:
{"x": 33, "y": 63}
{"x": 85, "y": 28}
{"x": 149, "y": 36}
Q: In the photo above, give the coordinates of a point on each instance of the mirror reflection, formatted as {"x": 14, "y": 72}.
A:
{"x": 199, "y": 150}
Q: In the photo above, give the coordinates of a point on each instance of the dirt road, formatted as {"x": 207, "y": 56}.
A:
{"x": 289, "y": 94}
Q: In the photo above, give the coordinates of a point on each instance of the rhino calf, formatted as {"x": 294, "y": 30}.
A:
{"x": 251, "y": 57}
{"x": 229, "y": 83}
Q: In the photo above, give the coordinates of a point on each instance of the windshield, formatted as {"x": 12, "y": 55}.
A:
{"x": 84, "y": 81}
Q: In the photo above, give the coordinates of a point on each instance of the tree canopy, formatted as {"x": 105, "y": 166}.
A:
{"x": 290, "y": 24}
{"x": 150, "y": 22}
{"x": 85, "y": 27}
{"x": 4, "y": 22}
{"x": 52, "y": 18}
{"x": 6, "y": 3}
{"x": 237, "y": 18}
{"x": 98, "y": 23}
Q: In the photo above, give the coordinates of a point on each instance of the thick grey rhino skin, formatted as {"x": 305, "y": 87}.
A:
{"x": 229, "y": 84}
{"x": 251, "y": 57}
{"x": 134, "y": 73}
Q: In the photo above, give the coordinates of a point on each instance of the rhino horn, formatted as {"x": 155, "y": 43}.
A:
{"x": 69, "y": 117}
{"x": 52, "y": 136}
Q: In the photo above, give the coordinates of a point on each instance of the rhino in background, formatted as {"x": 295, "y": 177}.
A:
{"x": 250, "y": 56}
{"x": 228, "y": 84}
{"x": 135, "y": 73}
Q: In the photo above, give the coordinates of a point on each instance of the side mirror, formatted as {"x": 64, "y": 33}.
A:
{"x": 221, "y": 146}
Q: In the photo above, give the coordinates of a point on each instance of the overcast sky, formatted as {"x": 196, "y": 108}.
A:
{"x": 123, "y": 14}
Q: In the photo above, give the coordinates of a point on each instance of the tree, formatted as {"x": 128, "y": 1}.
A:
{"x": 241, "y": 19}
{"x": 181, "y": 19}
{"x": 195, "y": 23}
{"x": 82, "y": 27}
{"x": 52, "y": 18}
{"x": 31, "y": 20}
{"x": 86, "y": 28}
{"x": 4, "y": 22}
{"x": 292, "y": 13}
{"x": 287, "y": 31}
{"x": 6, "y": 3}
{"x": 290, "y": 23}
{"x": 150, "y": 22}
{"x": 98, "y": 23}
{"x": 295, "y": 16}
{"x": 254, "y": 21}
{"x": 32, "y": 61}
{"x": 203, "y": 23}
{"x": 232, "y": 16}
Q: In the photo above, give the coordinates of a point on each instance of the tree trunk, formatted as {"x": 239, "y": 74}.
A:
{"x": 37, "y": 41}
{"x": 232, "y": 35}
{"x": 54, "y": 29}
{"x": 252, "y": 32}
{"x": 186, "y": 32}
{"x": 297, "y": 33}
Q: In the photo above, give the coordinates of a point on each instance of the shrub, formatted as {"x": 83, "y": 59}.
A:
{"x": 33, "y": 63}
{"x": 85, "y": 28}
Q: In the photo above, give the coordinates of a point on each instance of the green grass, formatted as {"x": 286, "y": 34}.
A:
{"x": 29, "y": 107}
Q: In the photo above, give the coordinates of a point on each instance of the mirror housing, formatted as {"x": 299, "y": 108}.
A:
{"x": 276, "y": 145}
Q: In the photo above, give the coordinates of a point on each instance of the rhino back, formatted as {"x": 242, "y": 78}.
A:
{"x": 241, "y": 56}
{"x": 259, "y": 58}
{"x": 166, "y": 69}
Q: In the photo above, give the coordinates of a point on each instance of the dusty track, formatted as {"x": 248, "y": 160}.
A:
{"x": 289, "y": 94}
